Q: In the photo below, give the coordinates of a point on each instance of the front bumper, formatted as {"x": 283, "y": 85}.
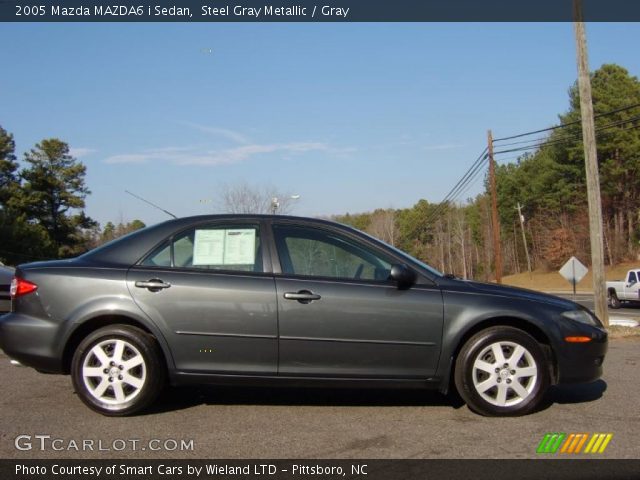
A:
{"x": 31, "y": 341}
{"x": 582, "y": 362}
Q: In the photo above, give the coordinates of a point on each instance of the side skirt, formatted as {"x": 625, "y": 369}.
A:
{"x": 185, "y": 378}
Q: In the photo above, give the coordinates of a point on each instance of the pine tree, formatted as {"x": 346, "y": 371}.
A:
{"x": 54, "y": 192}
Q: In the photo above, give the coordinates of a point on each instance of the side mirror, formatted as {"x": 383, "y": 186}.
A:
{"x": 402, "y": 275}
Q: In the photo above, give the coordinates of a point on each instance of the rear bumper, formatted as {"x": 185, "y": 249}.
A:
{"x": 31, "y": 341}
{"x": 582, "y": 362}
{"x": 5, "y": 304}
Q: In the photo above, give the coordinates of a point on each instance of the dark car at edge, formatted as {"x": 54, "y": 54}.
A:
{"x": 277, "y": 300}
{"x": 6, "y": 275}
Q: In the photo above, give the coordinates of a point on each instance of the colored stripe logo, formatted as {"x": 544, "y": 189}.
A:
{"x": 574, "y": 443}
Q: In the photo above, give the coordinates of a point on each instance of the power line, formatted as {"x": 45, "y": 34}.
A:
{"x": 468, "y": 177}
{"x": 564, "y": 125}
{"x": 471, "y": 176}
{"x": 471, "y": 180}
{"x": 571, "y": 137}
{"x": 474, "y": 167}
{"x": 453, "y": 194}
{"x": 471, "y": 183}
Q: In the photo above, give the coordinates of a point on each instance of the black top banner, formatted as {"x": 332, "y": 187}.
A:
{"x": 317, "y": 11}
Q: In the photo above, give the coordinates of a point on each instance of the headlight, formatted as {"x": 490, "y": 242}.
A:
{"x": 582, "y": 316}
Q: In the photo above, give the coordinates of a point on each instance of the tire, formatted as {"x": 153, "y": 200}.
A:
{"x": 490, "y": 384}
{"x": 614, "y": 301}
{"x": 118, "y": 370}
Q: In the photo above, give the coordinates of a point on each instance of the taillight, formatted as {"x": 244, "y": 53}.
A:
{"x": 19, "y": 287}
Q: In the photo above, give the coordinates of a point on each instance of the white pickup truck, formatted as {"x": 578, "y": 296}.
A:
{"x": 627, "y": 290}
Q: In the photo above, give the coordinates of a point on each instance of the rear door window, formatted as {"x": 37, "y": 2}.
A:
{"x": 216, "y": 247}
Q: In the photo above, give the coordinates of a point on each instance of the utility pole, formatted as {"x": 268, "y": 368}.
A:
{"x": 494, "y": 211}
{"x": 524, "y": 237}
{"x": 591, "y": 166}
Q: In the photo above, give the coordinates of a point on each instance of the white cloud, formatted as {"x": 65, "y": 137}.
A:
{"x": 232, "y": 135}
{"x": 195, "y": 156}
{"x": 80, "y": 152}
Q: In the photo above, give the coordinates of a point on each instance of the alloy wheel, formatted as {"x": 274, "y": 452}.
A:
{"x": 114, "y": 371}
{"x": 504, "y": 373}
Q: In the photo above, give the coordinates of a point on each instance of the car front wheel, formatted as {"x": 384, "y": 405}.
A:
{"x": 502, "y": 371}
{"x": 117, "y": 370}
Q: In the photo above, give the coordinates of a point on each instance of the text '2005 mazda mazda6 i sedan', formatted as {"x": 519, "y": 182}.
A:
{"x": 267, "y": 300}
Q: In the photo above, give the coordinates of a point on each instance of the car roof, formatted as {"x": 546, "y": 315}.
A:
{"x": 129, "y": 249}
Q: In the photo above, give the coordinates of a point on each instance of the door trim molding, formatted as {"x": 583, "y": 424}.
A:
{"x": 214, "y": 334}
{"x": 355, "y": 340}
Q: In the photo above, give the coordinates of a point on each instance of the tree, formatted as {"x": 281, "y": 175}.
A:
{"x": 54, "y": 192}
{"x": 360, "y": 221}
{"x": 618, "y": 152}
{"x": 108, "y": 232}
{"x": 551, "y": 182}
{"x": 245, "y": 198}
{"x": 21, "y": 241}
{"x": 135, "y": 225}
{"x": 111, "y": 231}
{"x": 8, "y": 167}
{"x": 383, "y": 226}
{"x": 414, "y": 233}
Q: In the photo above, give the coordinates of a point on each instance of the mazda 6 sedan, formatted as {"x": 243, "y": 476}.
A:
{"x": 276, "y": 300}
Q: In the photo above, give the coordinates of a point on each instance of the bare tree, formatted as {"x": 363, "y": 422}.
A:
{"x": 460, "y": 226}
{"x": 383, "y": 226}
{"x": 245, "y": 198}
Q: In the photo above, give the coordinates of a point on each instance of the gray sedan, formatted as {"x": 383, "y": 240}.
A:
{"x": 266, "y": 300}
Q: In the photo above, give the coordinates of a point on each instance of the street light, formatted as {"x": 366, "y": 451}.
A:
{"x": 275, "y": 203}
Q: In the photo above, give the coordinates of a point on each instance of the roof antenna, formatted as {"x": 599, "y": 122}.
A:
{"x": 152, "y": 204}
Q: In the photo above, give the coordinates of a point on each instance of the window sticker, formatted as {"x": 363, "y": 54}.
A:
{"x": 240, "y": 247}
{"x": 208, "y": 247}
{"x": 225, "y": 247}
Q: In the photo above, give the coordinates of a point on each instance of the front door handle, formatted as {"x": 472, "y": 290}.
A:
{"x": 154, "y": 285}
{"x": 303, "y": 296}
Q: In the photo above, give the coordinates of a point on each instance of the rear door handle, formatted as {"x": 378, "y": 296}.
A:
{"x": 303, "y": 296}
{"x": 154, "y": 285}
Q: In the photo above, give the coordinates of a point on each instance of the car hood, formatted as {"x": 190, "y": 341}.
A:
{"x": 515, "y": 292}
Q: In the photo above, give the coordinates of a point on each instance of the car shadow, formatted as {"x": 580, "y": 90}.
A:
{"x": 179, "y": 398}
{"x": 626, "y": 306}
{"x": 577, "y": 393}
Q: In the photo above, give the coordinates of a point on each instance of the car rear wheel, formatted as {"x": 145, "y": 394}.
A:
{"x": 117, "y": 370}
{"x": 502, "y": 371}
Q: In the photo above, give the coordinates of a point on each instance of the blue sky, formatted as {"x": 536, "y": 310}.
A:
{"x": 352, "y": 117}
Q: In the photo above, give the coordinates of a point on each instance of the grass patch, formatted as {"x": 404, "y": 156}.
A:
{"x": 553, "y": 281}
{"x": 616, "y": 331}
